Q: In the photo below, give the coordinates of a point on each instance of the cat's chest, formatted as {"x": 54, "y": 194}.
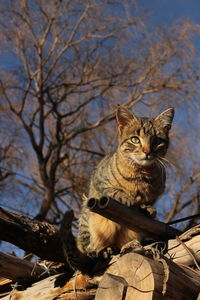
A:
{"x": 144, "y": 188}
{"x": 138, "y": 183}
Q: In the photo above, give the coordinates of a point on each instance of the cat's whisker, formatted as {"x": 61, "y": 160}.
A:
{"x": 166, "y": 162}
{"x": 162, "y": 167}
{"x": 162, "y": 163}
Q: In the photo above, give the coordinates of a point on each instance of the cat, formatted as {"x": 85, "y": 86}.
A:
{"x": 134, "y": 175}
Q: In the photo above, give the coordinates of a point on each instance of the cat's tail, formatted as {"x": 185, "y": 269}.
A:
{"x": 74, "y": 257}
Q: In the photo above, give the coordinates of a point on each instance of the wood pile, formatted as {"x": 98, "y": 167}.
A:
{"x": 165, "y": 269}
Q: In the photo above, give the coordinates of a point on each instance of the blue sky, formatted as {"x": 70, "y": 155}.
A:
{"x": 166, "y": 11}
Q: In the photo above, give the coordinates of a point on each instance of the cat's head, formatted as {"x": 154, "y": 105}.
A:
{"x": 143, "y": 140}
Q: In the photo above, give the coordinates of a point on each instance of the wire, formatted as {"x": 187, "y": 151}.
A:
{"x": 183, "y": 219}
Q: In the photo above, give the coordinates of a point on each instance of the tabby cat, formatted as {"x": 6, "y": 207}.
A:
{"x": 134, "y": 175}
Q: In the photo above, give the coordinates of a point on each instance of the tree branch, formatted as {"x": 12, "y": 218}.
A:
{"x": 33, "y": 236}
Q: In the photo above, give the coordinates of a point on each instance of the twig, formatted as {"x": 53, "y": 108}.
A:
{"x": 189, "y": 268}
{"x": 189, "y": 252}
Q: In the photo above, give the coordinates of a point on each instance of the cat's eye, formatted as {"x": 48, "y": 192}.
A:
{"x": 135, "y": 140}
{"x": 158, "y": 141}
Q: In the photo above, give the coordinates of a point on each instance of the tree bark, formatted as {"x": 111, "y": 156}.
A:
{"x": 40, "y": 238}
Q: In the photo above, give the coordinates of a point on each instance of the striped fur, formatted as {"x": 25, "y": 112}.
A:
{"x": 134, "y": 175}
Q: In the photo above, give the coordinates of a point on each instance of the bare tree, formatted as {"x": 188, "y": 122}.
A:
{"x": 71, "y": 63}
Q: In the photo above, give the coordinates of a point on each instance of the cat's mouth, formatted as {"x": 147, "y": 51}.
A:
{"x": 145, "y": 160}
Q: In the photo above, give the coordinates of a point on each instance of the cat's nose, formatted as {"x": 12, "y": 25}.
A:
{"x": 147, "y": 150}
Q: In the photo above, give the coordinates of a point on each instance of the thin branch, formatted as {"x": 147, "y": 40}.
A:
{"x": 64, "y": 49}
{"x": 177, "y": 199}
{"x": 23, "y": 19}
{"x": 190, "y": 253}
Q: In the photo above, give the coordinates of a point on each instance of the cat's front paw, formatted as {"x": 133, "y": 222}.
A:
{"x": 148, "y": 210}
{"x": 108, "y": 252}
{"x": 128, "y": 201}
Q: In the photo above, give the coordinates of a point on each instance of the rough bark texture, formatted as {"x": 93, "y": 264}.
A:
{"x": 40, "y": 238}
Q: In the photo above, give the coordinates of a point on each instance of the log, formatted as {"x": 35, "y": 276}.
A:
{"x": 132, "y": 218}
{"x": 40, "y": 238}
{"x": 79, "y": 287}
{"x": 19, "y": 270}
{"x": 134, "y": 276}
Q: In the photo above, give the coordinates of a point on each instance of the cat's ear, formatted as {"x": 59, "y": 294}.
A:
{"x": 166, "y": 118}
{"x": 123, "y": 117}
